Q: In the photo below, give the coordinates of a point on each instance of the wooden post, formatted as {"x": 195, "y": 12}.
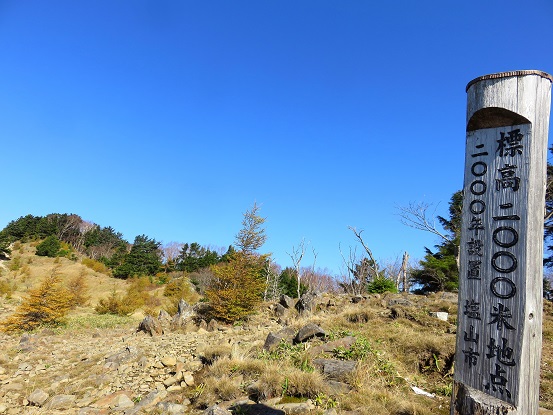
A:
{"x": 499, "y": 322}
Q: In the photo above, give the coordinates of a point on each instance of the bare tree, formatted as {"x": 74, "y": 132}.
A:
{"x": 296, "y": 256}
{"x": 416, "y": 216}
{"x": 272, "y": 290}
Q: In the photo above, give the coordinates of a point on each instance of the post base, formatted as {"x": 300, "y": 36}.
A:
{"x": 468, "y": 401}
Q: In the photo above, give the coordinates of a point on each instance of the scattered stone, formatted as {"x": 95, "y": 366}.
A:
{"x": 307, "y": 332}
{"x": 169, "y": 361}
{"x": 150, "y": 326}
{"x": 202, "y": 325}
{"x": 336, "y": 369}
{"x": 38, "y": 397}
{"x": 122, "y": 401}
{"x": 127, "y": 355}
{"x": 400, "y": 301}
{"x": 188, "y": 379}
{"x": 212, "y": 325}
{"x": 287, "y": 302}
{"x": 280, "y": 310}
{"x": 111, "y": 400}
{"x": 357, "y": 299}
{"x": 149, "y": 401}
{"x": 164, "y": 316}
{"x": 440, "y": 315}
{"x": 338, "y": 388}
{"x": 273, "y": 339}
{"x": 61, "y": 402}
{"x": 171, "y": 408}
{"x": 216, "y": 410}
{"x": 306, "y": 303}
{"x": 343, "y": 343}
{"x": 297, "y": 408}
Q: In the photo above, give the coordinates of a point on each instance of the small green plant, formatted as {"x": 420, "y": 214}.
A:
{"x": 15, "y": 263}
{"x": 325, "y": 402}
{"x": 296, "y": 354}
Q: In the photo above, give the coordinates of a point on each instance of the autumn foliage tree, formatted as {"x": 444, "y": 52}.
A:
{"x": 46, "y": 305}
{"x": 238, "y": 281}
{"x": 236, "y": 289}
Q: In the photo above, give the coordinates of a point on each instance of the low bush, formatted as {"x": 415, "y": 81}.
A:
{"x": 46, "y": 305}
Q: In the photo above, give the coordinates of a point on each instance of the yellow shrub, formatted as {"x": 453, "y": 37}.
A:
{"x": 46, "y": 305}
{"x": 237, "y": 287}
{"x": 96, "y": 266}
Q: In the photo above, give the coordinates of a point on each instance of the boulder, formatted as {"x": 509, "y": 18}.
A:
{"x": 38, "y": 397}
{"x": 307, "y": 332}
{"x": 335, "y": 369}
{"x": 150, "y": 326}
{"x": 61, "y": 402}
{"x": 273, "y": 339}
{"x": 306, "y": 303}
{"x": 286, "y": 302}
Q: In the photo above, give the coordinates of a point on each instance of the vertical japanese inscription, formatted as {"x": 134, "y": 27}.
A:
{"x": 495, "y": 193}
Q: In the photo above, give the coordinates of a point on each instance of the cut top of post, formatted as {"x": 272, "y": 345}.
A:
{"x": 509, "y": 74}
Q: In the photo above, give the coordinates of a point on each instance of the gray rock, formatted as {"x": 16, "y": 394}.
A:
{"x": 61, "y": 402}
{"x": 129, "y": 354}
{"x": 212, "y": 325}
{"x": 149, "y": 401}
{"x": 150, "y": 326}
{"x": 280, "y": 310}
{"x": 216, "y": 410}
{"x": 357, "y": 299}
{"x": 171, "y": 408}
{"x": 335, "y": 369}
{"x": 38, "y": 397}
{"x": 307, "y": 332}
{"x": 287, "y": 302}
{"x": 306, "y": 303}
{"x": 400, "y": 301}
{"x": 164, "y": 316}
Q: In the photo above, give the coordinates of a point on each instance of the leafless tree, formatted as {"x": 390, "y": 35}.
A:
{"x": 272, "y": 290}
{"x": 416, "y": 216}
{"x": 297, "y": 256}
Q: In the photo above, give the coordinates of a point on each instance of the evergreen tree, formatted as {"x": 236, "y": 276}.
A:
{"x": 195, "y": 257}
{"x": 50, "y": 247}
{"x": 440, "y": 269}
{"x": 144, "y": 258}
{"x": 5, "y": 250}
{"x": 288, "y": 283}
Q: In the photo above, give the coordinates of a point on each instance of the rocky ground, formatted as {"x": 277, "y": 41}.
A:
{"x": 159, "y": 370}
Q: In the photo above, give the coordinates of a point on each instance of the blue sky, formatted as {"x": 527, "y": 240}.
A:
{"x": 171, "y": 118}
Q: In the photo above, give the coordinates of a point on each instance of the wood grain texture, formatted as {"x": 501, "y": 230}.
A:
{"x": 500, "y": 284}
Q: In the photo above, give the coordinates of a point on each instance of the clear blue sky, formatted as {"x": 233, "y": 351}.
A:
{"x": 170, "y": 118}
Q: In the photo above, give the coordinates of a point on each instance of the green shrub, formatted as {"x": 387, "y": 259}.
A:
{"x": 381, "y": 285}
{"x": 50, "y": 247}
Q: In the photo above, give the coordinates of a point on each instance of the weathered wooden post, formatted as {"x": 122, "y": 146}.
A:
{"x": 498, "y": 351}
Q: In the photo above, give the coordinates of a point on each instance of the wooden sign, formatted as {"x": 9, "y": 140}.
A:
{"x": 501, "y": 249}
